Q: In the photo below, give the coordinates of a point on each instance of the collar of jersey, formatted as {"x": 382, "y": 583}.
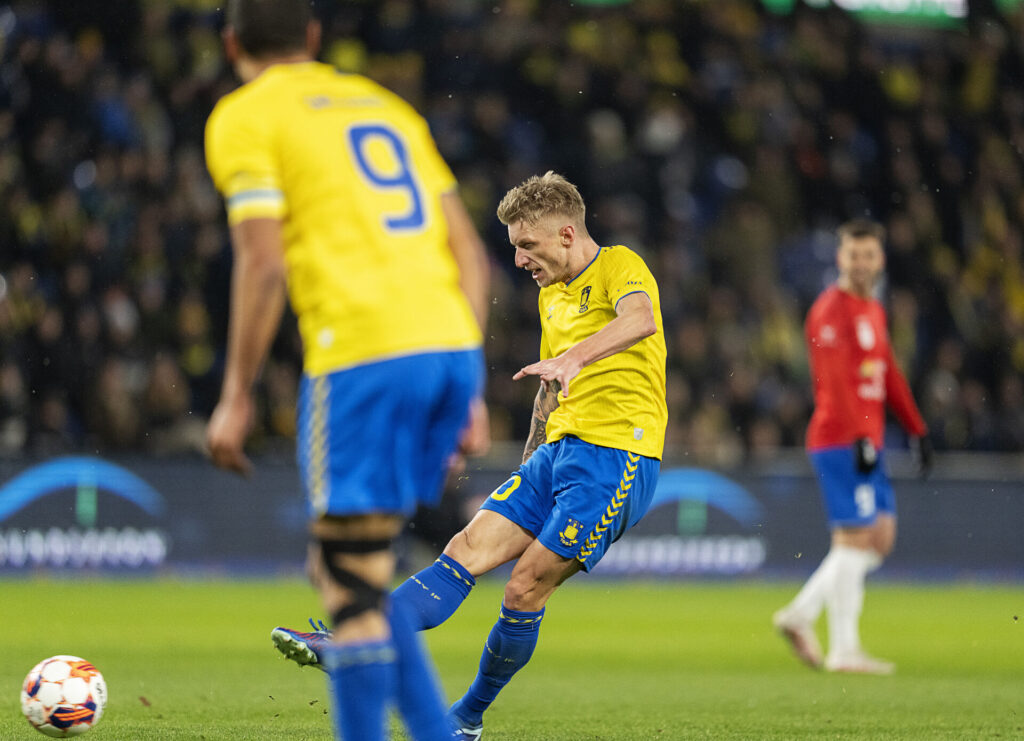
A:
{"x": 290, "y": 67}
{"x": 853, "y": 296}
{"x": 571, "y": 280}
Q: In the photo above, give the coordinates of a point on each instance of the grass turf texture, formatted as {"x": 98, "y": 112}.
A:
{"x": 193, "y": 660}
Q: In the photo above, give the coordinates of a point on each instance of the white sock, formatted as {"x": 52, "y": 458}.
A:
{"x": 846, "y": 597}
{"x": 809, "y": 601}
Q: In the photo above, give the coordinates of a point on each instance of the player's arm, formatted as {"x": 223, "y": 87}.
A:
{"x": 257, "y": 303}
{"x": 474, "y": 279}
{"x": 901, "y": 401}
{"x": 633, "y": 322}
{"x": 545, "y": 403}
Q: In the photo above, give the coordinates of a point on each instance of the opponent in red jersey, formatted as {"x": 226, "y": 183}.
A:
{"x": 855, "y": 376}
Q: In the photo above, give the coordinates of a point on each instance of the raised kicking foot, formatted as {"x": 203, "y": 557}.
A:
{"x": 305, "y": 649}
{"x": 801, "y": 638}
{"x": 858, "y": 662}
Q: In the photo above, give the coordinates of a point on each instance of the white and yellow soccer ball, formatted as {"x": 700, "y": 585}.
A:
{"x": 63, "y": 696}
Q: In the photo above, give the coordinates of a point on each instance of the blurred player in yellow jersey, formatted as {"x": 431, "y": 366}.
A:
{"x": 337, "y": 197}
{"x": 591, "y": 464}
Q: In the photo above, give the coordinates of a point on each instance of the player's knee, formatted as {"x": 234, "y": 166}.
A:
{"x": 462, "y": 549}
{"x": 524, "y": 592}
{"x": 360, "y": 595}
{"x": 884, "y": 536}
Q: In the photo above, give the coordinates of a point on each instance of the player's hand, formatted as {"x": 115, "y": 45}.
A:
{"x": 476, "y": 435}
{"x": 924, "y": 454}
{"x": 561, "y": 370}
{"x": 226, "y": 433}
{"x": 865, "y": 454}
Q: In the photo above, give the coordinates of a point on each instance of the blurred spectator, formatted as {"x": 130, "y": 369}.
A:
{"x": 719, "y": 140}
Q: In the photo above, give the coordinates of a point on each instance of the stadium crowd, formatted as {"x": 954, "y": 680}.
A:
{"x": 720, "y": 141}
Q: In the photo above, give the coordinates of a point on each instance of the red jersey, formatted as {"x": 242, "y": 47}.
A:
{"x": 854, "y": 373}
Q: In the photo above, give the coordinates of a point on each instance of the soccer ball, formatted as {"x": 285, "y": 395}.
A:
{"x": 63, "y": 696}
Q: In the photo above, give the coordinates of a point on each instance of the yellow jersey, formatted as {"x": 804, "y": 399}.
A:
{"x": 617, "y": 402}
{"x": 352, "y": 172}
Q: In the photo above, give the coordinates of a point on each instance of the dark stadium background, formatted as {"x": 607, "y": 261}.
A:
{"x": 723, "y": 140}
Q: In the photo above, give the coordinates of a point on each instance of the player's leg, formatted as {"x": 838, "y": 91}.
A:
{"x": 513, "y": 638}
{"x": 440, "y": 390}
{"x": 601, "y": 493}
{"x": 351, "y": 563}
{"x": 795, "y": 622}
{"x": 864, "y": 530}
{"x": 500, "y": 532}
{"x": 374, "y": 439}
{"x": 431, "y": 596}
{"x": 884, "y": 531}
{"x": 858, "y": 552}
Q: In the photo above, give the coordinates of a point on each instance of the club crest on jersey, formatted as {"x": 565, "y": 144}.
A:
{"x": 570, "y": 534}
{"x": 865, "y": 333}
{"x": 585, "y": 299}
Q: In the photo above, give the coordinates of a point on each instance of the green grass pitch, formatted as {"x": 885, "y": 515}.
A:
{"x": 191, "y": 659}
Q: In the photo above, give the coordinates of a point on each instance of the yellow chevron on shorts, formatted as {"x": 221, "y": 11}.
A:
{"x": 319, "y": 486}
{"x": 613, "y": 509}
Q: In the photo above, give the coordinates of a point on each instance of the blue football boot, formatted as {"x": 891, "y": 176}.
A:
{"x": 305, "y": 649}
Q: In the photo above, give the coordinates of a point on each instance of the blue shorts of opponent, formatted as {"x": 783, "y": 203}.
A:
{"x": 852, "y": 498}
{"x": 377, "y": 437}
{"x": 577, "y": 498}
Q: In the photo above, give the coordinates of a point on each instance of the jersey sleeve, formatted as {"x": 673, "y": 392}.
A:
{"x": 829, "y": 339}
{"x": 901, "y": 400}
{"x": 241, "y": 161}
{"x": 628, "y": 274}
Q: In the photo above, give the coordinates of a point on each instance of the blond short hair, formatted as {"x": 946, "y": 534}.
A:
{"x": 540, "y": 196}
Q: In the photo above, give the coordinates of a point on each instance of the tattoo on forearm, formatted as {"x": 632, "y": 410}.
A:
{"x": 545, "y": 403}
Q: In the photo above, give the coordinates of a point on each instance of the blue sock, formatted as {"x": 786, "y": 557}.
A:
{"x": 363, "y": 677}
{"x": 419, "y": 697}
{"x": 433, "y": 594}
{"x": 509, "y": 646}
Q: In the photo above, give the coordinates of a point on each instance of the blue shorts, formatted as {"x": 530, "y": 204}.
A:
{"x": 377, "y": 437}
{"x": 577, "y": 498}
{"x": 852, "y": 498}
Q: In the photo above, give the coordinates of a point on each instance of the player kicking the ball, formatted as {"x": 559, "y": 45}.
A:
{"x": 855, "y": 376}
{"x": 592, "y": 460}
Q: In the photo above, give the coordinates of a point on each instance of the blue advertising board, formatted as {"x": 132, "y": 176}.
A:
{"x": 144, "y": 514}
